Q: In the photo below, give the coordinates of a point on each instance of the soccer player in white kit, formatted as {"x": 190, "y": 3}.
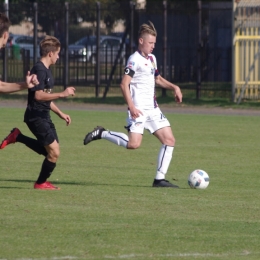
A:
{"x": 138, "y": 88}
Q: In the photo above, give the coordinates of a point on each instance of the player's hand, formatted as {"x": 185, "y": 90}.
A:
{"x": 135, "y": 112}
{"x": 31, "y": 80}
{"x": 69, "y": 91}
{"x": 66, "y": 118}
{"x": 178, "y": 95}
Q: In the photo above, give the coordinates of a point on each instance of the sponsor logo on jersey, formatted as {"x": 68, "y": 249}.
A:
{"x": 137, "y": 124}
{"x": 47, "y": 90}
{"x": 131, "y": 63}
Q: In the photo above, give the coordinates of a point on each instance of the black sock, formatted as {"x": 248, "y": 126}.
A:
{"x": 32, "y": 144}
{"x": 47, "y": 169}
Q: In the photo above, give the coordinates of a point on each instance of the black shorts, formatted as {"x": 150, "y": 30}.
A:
{"x": 43, "y": 129}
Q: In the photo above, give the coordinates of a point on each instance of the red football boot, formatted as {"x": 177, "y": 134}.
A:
{"x": 45, "y": 186}
{"x": 11, "y": 138}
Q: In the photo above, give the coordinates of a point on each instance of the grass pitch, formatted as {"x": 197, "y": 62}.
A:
{"x": 107, "y": 209}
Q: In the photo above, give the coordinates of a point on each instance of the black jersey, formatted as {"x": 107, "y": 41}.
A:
{"x": 46, "y": 84}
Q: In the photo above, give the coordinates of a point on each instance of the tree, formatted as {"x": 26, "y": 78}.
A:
{"x": 51, "y": 12}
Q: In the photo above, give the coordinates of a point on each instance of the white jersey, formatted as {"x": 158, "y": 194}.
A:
{"x": 142, "y": 86}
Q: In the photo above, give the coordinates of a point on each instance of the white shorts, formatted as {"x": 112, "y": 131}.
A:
{"x": 151, "y": 120}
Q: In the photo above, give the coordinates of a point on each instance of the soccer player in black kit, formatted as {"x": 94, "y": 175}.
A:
{"x": 37, "y": 114}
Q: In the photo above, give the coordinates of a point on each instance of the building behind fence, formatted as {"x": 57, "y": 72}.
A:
{"x": 193, "y": 48}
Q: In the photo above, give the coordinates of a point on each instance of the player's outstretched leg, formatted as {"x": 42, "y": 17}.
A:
{"x": 17, "y": 137}
{"x": 11, "y": 138}
{"x": 94, "y": 135}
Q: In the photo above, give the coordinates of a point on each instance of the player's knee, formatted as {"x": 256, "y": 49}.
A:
{"x": 135, "y": 141}
{"x": 54, "y": 154}
{"x": 133, "y": 145}
{"x": 170, "y": 141}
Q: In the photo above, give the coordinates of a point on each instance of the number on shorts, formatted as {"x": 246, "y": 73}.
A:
{"x": 162, "y": 116}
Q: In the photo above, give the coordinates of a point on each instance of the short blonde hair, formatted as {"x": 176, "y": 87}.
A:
{"x": 49, "y": 44}
{"x": 147, "y": 29}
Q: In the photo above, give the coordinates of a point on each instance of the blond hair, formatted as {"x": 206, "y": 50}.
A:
{"x": 49, "y": 44}
{"x": 147, "y": 29}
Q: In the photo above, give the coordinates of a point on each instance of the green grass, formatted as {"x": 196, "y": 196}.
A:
{"x": 107, "y": 209}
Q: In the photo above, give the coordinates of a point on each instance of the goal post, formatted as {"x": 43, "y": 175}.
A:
{"x": 246, "y": 50}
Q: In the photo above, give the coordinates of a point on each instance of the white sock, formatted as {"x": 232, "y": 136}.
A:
{"x": 120, "y": 139}
{"x": 164, "y": 159}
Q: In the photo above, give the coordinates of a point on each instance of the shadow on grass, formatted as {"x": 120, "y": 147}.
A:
{"x": 69, "y": 183}
{"x": 9, "y": 188}
{"x": 75, "y": 183}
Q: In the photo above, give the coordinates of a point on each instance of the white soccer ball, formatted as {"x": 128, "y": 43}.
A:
{"x": 198, "y": 179}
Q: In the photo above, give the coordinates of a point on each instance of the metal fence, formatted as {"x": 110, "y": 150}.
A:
{"x": 193, "y": 46}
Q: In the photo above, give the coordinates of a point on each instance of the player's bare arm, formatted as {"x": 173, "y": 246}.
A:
{"x": 11, "y": 87}
{"x": 159, "y": 80}
{"x": 31, "y": 81}
{"x": 40, "y": 95}
{"x": 58, "y": 112}
{"x": 127, "y": 96}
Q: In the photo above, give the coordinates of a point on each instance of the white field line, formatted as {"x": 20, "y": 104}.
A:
{"x": 184, "y": 255}
{"x": 51, "y": 258}
{"x": 150, "y": 256}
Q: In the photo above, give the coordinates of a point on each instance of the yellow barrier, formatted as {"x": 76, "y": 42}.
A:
{"x": 247, "y": 58}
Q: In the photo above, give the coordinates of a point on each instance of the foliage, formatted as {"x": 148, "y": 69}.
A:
{"x": 186, "y": 6}
{"x": 51, "y": 12}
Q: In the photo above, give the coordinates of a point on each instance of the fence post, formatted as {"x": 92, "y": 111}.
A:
{"x": 132, "y": 5}
{"x": 233, "y": 50}
{"x": 198, "y": 89}
{"x": 26, "y": 60}
{"x": 66, "y": 51}
{"x": 97, "y": 76}
{"x": 5, "y": 53}
{"x": 35, "y": 32}
{"x": 164, "y": 44}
